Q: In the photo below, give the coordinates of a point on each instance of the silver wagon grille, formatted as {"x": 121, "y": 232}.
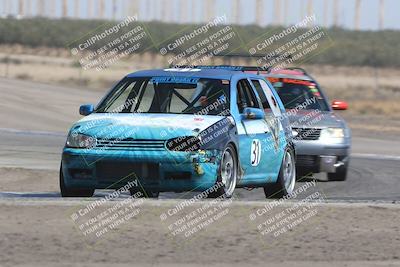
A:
{"x": 307, "y": 133}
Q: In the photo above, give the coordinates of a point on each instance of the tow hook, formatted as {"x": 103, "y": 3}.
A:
{"x": 198, "y": 169}
{"x": 338, "y": 164}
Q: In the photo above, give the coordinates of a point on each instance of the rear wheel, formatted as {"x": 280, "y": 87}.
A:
{"x": 286, "y": 178}
{"x": 227, "y": 176}
{"x": 73, "y": 192}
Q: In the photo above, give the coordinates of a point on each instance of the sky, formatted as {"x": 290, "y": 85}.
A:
{"x": 294, "y": 11}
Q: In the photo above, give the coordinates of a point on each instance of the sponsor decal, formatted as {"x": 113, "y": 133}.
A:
{"x": 174, "y": 79}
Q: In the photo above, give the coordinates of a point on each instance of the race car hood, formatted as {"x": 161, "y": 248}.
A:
{"x": 315, "y": 119}
{"x": 143, "y": 126}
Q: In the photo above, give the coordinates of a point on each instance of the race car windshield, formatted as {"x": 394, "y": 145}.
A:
{"x": 307, "y": 95}
{"x": 177, "y": 95}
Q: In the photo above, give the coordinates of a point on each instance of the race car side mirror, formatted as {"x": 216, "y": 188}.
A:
{"x": 253, "y": 114}
{"x": 86, "y": 109}
{"x": 339, "y": 105}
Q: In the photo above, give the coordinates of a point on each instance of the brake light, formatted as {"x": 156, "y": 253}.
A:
{"x": 295, "y": 81}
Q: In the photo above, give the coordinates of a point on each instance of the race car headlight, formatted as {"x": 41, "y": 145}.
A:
{"x": 328, "y": 133}
{"x": 76, "y": 140}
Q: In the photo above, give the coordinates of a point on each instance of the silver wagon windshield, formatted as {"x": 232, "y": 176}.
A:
{"x": 295, "y": 92}
{"x": 178, "y": 95}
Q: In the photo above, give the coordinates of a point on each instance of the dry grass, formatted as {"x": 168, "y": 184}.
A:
{"x": 368, "y": 90}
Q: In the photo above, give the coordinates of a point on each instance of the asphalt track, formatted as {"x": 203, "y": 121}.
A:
{"x": 374, "y": 174}
{"x": 48, "y": 111}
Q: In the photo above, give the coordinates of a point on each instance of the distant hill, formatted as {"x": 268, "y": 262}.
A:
{"x": 343, "y": 47}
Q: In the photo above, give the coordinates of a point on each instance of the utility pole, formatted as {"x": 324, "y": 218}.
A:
{"x": 89, "y": 9}
{"x": 336, "y": 13}
{"x": 210, "y": 14}
{"x": 114, "y": 9}
{"x": 21, "y": 8}
{"x": 326, "y": 5}
{"x": 40, "y": 11}
{"x": 259, "y": 12}
{"x": 134, "y": 8}
{"x": 5, "y": 7}
{"x": 52, "y": 9}
{"x": 381, "y": 14}
{"x": 235, "y": 11}
{"x": 310, "y": 9}
{"x": 357, "y": 15}
{"x": 285, "y": 12}
{"x": 101, "y": 9}
{"x": 77, "y": 9}
{"x": 184, "y": 10}
{"x": 167, "y": 9}
{"x": 277, "y": 8}
{"x": 149, "y": 11}
{"x": 164, "y": 10}
{"x": 64, "y": 9}
{"x": 28, "y": 9}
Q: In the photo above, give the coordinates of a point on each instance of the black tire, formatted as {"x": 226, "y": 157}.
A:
{"x": 223, "y": 191}
{"x": 302, "y": 176}
{"x": 282, "y": 188}
{"x": 73, "y": 192}
{"x": 145, "y": 193}
{"x": 340, "y": 174}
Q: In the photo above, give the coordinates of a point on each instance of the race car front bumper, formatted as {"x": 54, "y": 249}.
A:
{"x": 153, "y": 170}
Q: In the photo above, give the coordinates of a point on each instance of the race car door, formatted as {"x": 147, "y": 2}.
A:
{"x": 275, "y": 132}
{"x": 253, "y": 137}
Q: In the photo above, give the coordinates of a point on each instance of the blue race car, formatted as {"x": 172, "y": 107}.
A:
{"x": 206, "y": 128}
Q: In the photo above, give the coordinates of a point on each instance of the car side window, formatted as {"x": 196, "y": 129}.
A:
{"x": 263, "y": 90}
{"x": 261, "y": 94}
{"x": 245, "y": 96}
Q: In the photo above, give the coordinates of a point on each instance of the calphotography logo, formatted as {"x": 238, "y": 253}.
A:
{"x": 294, "y": 44}
{"x": 109, "y": 44}
{"x": 191, "y": 217}
{"x": 278, "y": 218}
{"x": 104, "y": 216}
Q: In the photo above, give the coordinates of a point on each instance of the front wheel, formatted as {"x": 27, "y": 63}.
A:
{"x": 227, "y": 175}
{"x": 73, "y": 192}
{"x": 286, "y": 178}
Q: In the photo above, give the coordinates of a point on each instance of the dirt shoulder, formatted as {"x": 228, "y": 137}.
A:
{"x": 28, "y": 180}
{"x": 338, "y": 234}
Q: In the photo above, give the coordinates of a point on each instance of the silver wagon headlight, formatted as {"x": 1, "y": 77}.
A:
{"x": 76, "y": 140}
{"x": 328, "y": 133}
